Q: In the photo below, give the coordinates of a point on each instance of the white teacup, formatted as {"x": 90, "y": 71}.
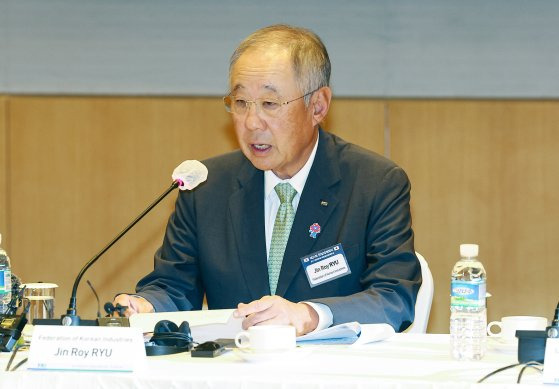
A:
{"x": 509, "y": 324}
{"x": 267, "y": 338}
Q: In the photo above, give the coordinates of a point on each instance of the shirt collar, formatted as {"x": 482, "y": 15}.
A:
{"x": 297, "y": 181}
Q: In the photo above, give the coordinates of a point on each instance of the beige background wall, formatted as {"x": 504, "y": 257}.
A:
{"x": 485, "y": 172}
{"x": 76, "y": 170}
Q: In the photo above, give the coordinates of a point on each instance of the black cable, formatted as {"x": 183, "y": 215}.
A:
{"x": 533, "y": 365}
{"x": 96, "y": 297}
{"x": 12, "y": 357}
{"x": 19, "y": 364}
{"x": 25, "y": 308}
{"x": 14, "y": 352}
{"x": 18, "y": 346}
{"x": 498, "y": 371}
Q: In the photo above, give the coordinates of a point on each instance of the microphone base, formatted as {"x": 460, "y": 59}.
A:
{"x": 59, "y": 322}
{"x": 70, "y": 319}
{"x": 102, "y": 321}
{"x": 113, "y": 322}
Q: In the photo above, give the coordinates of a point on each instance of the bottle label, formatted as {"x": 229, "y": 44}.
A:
{"x": 467, "y": 293}
{"x": 3, "y": 280}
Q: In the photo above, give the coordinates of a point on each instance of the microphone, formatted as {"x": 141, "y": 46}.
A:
{"x": 188, "y": 175}
{"x": 110, "y": 308}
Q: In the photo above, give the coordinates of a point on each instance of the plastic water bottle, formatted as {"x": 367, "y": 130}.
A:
{"x": 468, "y": 316}
{"x": 5, "y": 279}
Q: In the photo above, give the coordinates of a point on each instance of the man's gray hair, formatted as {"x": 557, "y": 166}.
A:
{"x": 309, "y": 57}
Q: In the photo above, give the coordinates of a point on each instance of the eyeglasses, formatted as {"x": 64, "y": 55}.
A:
{"x": 269, "y": 106}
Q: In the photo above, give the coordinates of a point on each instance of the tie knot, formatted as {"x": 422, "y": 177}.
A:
{"x": 285, "y": 192}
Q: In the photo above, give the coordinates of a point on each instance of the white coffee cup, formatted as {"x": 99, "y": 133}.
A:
{"x": 510, "y": 324}
{"x": 267, "y": 338}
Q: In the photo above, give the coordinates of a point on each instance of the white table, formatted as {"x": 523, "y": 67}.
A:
{"x": 403, "y": 361}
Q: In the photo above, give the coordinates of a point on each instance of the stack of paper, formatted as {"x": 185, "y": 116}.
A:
{"x": 220, "y": 323}
{"x": 349, "y": 333}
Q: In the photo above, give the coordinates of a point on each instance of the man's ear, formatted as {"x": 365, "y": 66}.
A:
{"x": 320, "y": 103}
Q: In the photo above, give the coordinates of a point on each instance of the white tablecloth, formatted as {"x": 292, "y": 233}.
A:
{"x": 403, "y": 361}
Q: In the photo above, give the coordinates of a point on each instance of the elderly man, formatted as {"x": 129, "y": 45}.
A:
{"x": 298, "y": 227}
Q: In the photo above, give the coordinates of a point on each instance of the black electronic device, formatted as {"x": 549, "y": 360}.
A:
{"x": 208, "y": 349}
{"x": 226, "y": 342}
{"x": 531, "y": 344}
{"x": 10, "y": 330}
{"x": 168, "y": 338}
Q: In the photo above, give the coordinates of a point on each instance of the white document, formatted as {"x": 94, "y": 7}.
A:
{"x": 374, "y": 333}
{"x": 205, "y": 325}
{"x": 352, "y": 332}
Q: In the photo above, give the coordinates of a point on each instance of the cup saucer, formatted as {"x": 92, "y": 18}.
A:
{"x": 505, "y": 345}
{"x": 264, "y": 356}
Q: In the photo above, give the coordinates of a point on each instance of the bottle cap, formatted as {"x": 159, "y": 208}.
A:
{"x": 469, "y": 250}
{"x": 0, "y": 238}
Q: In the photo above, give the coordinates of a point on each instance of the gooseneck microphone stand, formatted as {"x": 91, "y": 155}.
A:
{"x": 71, "y": 318}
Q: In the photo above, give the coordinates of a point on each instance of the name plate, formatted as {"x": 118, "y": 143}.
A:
{"x": 551, "y": 362}
{"x": 86, "y": 348}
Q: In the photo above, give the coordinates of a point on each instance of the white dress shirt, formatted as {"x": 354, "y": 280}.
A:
{"x": 271, "y": 206}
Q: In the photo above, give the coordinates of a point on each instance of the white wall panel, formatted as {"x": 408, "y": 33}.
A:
{"x": 406, "y": 48}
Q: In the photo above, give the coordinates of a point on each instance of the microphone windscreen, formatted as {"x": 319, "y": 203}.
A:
{"x": 109, "y": 308}
{"x": 190, "y": 174}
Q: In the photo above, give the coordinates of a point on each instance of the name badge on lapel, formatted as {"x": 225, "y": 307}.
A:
{"x": 325, "y": 265}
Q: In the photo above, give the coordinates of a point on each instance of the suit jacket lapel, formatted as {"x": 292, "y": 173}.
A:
{"x": 246, "y": 207}
{"x": 317, "y": 204}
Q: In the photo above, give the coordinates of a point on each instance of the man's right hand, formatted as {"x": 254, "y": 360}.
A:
{"x": 135, "y": 304}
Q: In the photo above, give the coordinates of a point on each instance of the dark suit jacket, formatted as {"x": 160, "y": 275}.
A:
{"x": 215, "y": 239}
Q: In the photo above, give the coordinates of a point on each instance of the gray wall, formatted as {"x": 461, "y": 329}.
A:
{"x": 407, "y": 48}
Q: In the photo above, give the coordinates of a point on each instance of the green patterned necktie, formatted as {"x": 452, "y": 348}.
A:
{"x": 282, "y": 227}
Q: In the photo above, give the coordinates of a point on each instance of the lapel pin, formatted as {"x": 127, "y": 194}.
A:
{"x": 324, "y": 203}
{"x": 314, "y": 230}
